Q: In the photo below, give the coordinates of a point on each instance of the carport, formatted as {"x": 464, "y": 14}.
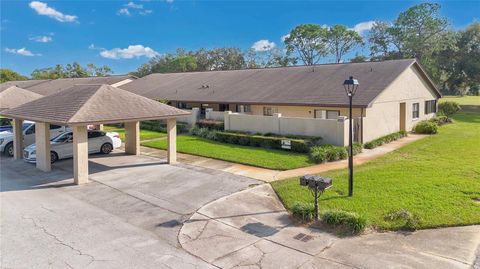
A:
{"x": 10, "y": 97}
{"x": 83, "y": 105}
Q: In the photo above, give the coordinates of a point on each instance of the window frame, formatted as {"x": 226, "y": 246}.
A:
{"x": 415, "y": 111}
{"x": 430, "y": 106}
{"x": 266, "y": 109}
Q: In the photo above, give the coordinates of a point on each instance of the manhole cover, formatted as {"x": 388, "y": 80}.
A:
{"x": 303, "y": 237}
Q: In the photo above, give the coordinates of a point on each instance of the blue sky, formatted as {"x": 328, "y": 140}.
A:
{"x": 125, "y": 34}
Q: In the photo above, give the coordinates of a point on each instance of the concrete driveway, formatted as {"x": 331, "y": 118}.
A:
{"x": 128, "y": 216}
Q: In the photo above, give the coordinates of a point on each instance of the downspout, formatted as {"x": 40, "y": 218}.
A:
{"x": 361, "y": 124}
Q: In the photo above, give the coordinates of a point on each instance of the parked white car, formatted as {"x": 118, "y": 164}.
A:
{"x": 6, "y": 137}
{"x": 61, "y": 147}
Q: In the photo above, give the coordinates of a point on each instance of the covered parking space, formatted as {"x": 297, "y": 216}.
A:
{"x": 83, "y": 105}
{"x": 10, "y": 97}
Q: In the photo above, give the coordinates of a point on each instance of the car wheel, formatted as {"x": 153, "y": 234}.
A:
{"x": 106, "y": 148}
{"x": 53, "y": 157}
{"x": 9, "y": 150}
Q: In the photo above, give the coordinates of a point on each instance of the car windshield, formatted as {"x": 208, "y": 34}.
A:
{"x": 62, "y": 137}
{"x": 25, "y": 125}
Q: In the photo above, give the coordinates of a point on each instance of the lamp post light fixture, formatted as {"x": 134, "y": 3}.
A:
{"x": 350, "y": 86}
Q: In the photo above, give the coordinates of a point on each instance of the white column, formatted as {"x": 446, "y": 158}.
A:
{"x": 172, "y": 140}
{"x": 80, "y": 154}
{"x": 17, "y": 139}
{"x": 42, "y": 142}
{"x": 132, "y": 138}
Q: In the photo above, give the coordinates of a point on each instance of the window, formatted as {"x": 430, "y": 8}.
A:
{"x": 243, "y": 108}
{"x": 95, "y": 134}
{"x": 53, "y": 127}
{"x": 181, "y": 105}
{"x": 415, "y": 110}
{"x": 430, "y": 106}
{"x": 332, "y": 114}
{"x": 30, "y": 130}
{"x": 269, "y": 111}
{"x": 223, "y": 107}
{"x": 66, "y": 137}
{"x": 326, "y": 114}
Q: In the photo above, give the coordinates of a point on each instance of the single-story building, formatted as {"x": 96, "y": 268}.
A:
{"x": 50, "y": 86}
{"x": 392, "y": 96}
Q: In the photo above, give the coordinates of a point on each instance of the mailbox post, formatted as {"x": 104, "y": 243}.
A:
{"x": 317, "y": 186}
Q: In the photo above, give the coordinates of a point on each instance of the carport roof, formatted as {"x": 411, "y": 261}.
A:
{"x": 14, "y": 96}
{"x": 93, "y": 104}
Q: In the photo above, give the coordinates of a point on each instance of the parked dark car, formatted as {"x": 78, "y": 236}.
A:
{"x": 5, "y": 124}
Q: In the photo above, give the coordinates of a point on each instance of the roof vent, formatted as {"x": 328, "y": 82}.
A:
{"x": 205, "y": 86}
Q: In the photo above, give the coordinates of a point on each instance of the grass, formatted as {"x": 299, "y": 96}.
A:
{"x": 436, "y": 179}
{"x": 266, "y": 158}
{"x": 144, "y": 134}
{"x": 463, "y": 100}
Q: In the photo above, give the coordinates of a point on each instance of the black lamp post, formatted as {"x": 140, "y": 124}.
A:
{"x": 350, "y": 86}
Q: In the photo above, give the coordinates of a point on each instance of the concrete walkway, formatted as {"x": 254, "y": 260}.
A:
{"x": 268, "y": 175}
{"x": 251, "y": 229}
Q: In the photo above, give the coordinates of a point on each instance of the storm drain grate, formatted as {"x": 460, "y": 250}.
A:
{"x": 303, "y": 237}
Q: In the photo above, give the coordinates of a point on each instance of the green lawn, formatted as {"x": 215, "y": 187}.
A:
{"x": 267, "y": 158}
{"x": 437, "y": 178}
{"x": 463, "y": 100}
{"x": 144, "y": 134}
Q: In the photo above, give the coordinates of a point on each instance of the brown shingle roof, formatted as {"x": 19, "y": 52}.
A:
{"x": 55, "y": 85}
{"x": 299, "y": 85}
{"x": 21, "y": 83}
{"x": 93, "y": 104}
{"x": 13, "y": 96}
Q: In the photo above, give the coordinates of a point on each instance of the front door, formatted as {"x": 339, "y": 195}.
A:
{"x": 403, "y": 117}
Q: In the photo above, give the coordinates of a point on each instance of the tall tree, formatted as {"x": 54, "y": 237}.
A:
{"x": 341, "y": 40}
{"x": 309, "y": 41}
{"x": 74, "y": 70}
{"x": 10, "y": 75}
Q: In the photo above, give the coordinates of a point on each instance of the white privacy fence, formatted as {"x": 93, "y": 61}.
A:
{"x": 192, "y": 118}
{"x": 214, "y": 115}
{"x": 332, "y": 131}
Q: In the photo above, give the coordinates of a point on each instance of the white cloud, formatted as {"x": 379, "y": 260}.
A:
{"x": 41, "y": 39}
{"x": 284, "y": 37}
{"x": 22, "y": 51}
{"x": 133, "y": 5}
{"x": 145, "y": 12}
{"x": 263, "y": 45}
{"x": 129, "y": 52}
{"x": 363, "y": 26}
{"x": 124, "y": 11}
{"x": 43, "y": 9}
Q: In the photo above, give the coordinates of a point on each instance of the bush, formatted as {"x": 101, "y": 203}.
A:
{"x": 411, "y": 220}
{"x": 211, "y": 124}
{"x": 324, "y": 153}
{"x": 448, "y": 108}
{"x": 303, "y": 212}
{"x": 441, "y": 120}
{"x": 160, "y": 126}
{"x": 426, "y": 127}
{"x": 351, "y": 222}
{"x": 318, "y": 154}
{"x": 203, "y": 133}
{"x": 385, "y": 139}
{"x": 357, "y": 148}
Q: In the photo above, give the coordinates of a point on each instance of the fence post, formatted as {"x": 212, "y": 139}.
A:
{"x": 277, "y": 117}
{"x": 226, "y": 120}
{"x": 194, "y": 117}
{"x": 342, "y": 131}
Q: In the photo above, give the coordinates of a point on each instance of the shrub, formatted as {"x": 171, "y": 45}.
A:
{"x": 303, "y": 211}
{"x": 160, "y": 126}
{"x": 351, "y": 222}
{"x": 385, "y": 139}
{"x": 411, "y": 220}
{"x": 441, "y": 120}
{"x": 448, "y": 108}
{"x": 426, "y": 127}
{"x": 357, "y": 148}
{"x": 211, "y": 124}
{"x": 324, "y": 153}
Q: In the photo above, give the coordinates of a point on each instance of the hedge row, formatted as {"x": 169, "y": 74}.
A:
{"x": 330, "y": 153}
{"x": 297, "y": 145}
{"x": 384, "y": 140}
{"x": 159, "y": 126}
{"x": 211, "y": 125}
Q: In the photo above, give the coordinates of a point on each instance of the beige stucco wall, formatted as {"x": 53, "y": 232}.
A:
{"x": 383, "y": 117}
